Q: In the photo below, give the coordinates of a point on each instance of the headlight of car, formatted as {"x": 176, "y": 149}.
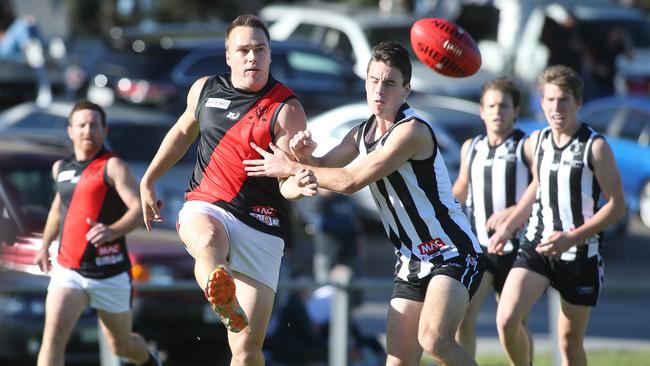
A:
{"x": 155, "y": 274}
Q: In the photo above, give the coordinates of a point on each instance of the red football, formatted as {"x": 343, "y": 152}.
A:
{"x": 445, "y": 47}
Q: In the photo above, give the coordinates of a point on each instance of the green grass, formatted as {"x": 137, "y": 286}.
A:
{"x": 595, "y": 358}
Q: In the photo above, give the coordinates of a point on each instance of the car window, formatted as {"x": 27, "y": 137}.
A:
{"x": 308, "y": 62}
{"x": 338, "y": 43}
{"x": 600, "y": 119}
{"x": 460, "y": 125}
{"x": 128, "y": 142}
{"x": 32, "y": 190}
{"x": 43, "y": 120}
{"x": 207, "y": 65}
{"x": 481, "y": 21}
{"x": 307, "y": 33}
{"x": 636, "y": 126}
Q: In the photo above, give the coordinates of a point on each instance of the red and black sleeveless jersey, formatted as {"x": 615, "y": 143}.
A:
{"x": 229, "y": 120}
{"x": 85, "y": 193}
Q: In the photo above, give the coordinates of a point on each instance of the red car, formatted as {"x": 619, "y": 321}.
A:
{"x": 176, "y": 317}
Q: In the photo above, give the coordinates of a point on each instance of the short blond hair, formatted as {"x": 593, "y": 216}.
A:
{"x": 565, "y": 78}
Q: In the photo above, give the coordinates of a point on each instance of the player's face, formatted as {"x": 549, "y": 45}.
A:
{"x": 560, "y": 108}
{"x": 385, "y": 91}
{"x": 249, "y": 57}
{"x": 498, "y": 112}
{"x": 86, "y": 130}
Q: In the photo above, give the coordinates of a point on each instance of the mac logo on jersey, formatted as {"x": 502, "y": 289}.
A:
{"x": 431, "y": 246}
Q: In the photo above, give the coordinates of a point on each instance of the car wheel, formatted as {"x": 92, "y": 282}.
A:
{"x": 644, "y": 204}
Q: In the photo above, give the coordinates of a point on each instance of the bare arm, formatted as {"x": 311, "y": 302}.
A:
{"x": 609, "y": 179}
{"x": 173, "y": 147}
{"x": 51, "y": 230}
{"x": 341, "y": 155}
{"x": 409, "y": 140}
{"x": 461, "y": 185}
{"x": 291, "y": 119}
{"x": 122, "y": 179}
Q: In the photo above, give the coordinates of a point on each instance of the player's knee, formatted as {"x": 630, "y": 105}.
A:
{"x": 246, "y": 348}
{"x": 507, "y": 321}
{"x": 436, "y": 344}
{"x": 570, "y": 343}
{"x": 204, "y": 241}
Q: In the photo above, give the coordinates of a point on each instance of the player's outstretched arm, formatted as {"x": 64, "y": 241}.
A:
{"x": 175, "y": 144}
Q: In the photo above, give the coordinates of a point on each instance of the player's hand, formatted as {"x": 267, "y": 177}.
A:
{"x": 498, "y": 240}
{"x": 99, "y": 233}
{"x": 276, "y": 164}
{"x": 558, "y": 242}
{"x": 151, "y": 206}
{"x": 496, "y": 219}
{"x": 306, "y": 180}
{"x": 302, "y": 146}
{"x": 42, "y": 259}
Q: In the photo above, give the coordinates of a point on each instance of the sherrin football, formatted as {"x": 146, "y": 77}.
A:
{"x": 445, "y": 47}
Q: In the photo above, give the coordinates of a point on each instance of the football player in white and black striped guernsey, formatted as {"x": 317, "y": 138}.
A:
{"x": 492, "y": 178}
{"x": 439, "y": 261}
{"x": 572, "y": 167}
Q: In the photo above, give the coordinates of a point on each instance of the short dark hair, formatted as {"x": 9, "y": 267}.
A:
{"x": 565, "y": 78}
{"x": 392, "y": 54}
{"x": 248, "y": 20}
{"x": 505, "y": 86}
{"x": 84, "y": 104}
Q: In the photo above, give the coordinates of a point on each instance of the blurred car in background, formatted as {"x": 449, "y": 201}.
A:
{"x": 160, "y": 73}
{"x": 625, "y": 120}
{"x": 173, "y": 318}
{"x": 458, "y": 117}
{"x": 329, "y": 128}
{"x": 350, "y": 32}
{"x": 134, "y": 134}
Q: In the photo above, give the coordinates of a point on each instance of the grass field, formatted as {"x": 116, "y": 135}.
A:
{"x": 595, "y": 358}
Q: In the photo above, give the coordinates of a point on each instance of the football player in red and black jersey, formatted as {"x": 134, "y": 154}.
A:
{"x": 95, "y": 206}
{"x": 234, "y": 225}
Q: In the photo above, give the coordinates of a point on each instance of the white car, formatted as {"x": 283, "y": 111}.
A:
{"x": 351, "y": 32}
{"x": 330, "y": 127}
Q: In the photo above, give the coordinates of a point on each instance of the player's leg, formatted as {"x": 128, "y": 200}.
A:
{"x": 444, "y": 307}
{"x": 117, "y": 327}
{"x": 207, "y": 241}
{"x": 112, "y": 298}
{"x": 572, "y": 325}
{"x": 202, "y": 229}
{"x": 256, "y": 299}
{"x": 522, "y": 289}
{"x": 466, "y": 334}
{"x": 402, "y": 346}
{"x": 63, "y": 307}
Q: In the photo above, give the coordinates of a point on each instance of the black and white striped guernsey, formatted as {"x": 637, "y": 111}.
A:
{"x": 498, "y": 177}
{"x": 568, "y": 192}
{"x": 419, "y": 213}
